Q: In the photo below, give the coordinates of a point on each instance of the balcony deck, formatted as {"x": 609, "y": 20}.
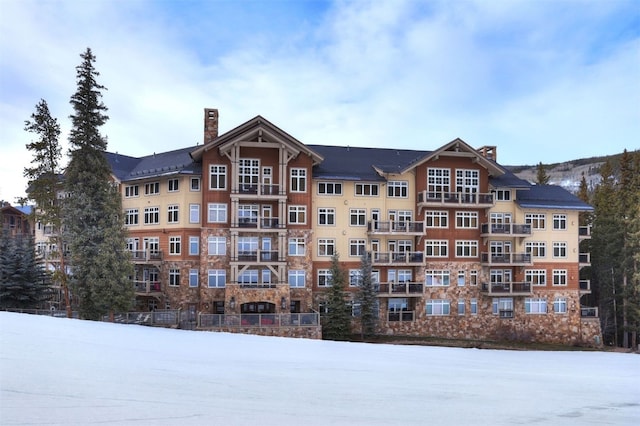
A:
{"x": 506, "y": 259}
{"x": 585, "y": 286}
{"x": 147, "y": 288}
{"x": 409, "y": 258}
{"x": 146, "y": 256}
{"x": 395, "y": 228}
{"x": 507, "y": 289}
{"x": 258, "y": 257}
{"x": 255, "y": 192}
{"x": 505, "y": 229}
{"x": 258, "y": 224}
{"x": 584, "y": 259}
{"x": 584, "y": 232}
{"x": 406, "y": 289}
{"x": 455, "y": 200}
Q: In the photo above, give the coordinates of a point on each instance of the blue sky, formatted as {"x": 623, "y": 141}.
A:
{"x": 545, "y": 81}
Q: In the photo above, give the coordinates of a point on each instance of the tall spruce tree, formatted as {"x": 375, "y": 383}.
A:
{"x": 541, "y": 176}
{"x": 336, "y": 324}
{"x": 367, "y": 298}
{"x": 44, "y": 185}
{"x": 93, "y": 211}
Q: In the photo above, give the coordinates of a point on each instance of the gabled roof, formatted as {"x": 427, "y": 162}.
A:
{"x": 256, "y": 130}
{"x": 362, "y": 164}
{"x": 161, "y": 164}
{"x": 459, "y": 148}
{"x": 550, "y": 197}
{"x": 508, "y": 180}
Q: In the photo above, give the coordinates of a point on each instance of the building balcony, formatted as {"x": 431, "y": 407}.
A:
{"x": 455, "y": 200}
{"x": 258, "y": 224}
{"x": 401, "y": 316}
{"x": 146, "y": 287}
{"x": 505, "y": 229}
{"x": 588, "y": 312}
{"x": 146, "y": 256}
{"x": 256, "y": 285}
{"x": 507, "y": 289}
{"x": 410, "y": 258}
{"x": 584, "y": 232}
{"x": 400, "y": 289}
{"x": 395, "y": 228}
{"x": 506, "y": 259}
{"x": 584, "y": 259}
{"x": 259, "y": 257}
{"x": 311, "y": 319}
{"x": 585, "y": 286}
{"x": 255, "y": 191}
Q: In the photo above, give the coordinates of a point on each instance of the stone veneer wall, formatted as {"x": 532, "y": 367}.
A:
{"x": 299, "y": 332}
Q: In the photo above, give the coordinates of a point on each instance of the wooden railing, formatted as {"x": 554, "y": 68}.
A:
{"x": 507, "y": 288}
{"x": 505, "y": 229}
{"x": 398, "y": 289}
{"x": 405, "y": 257}
{"x": 379, "y": 226}
{"x": 459, "y": 198}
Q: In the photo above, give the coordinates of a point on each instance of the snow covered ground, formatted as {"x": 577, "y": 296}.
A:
{"x": 71, "y": 372}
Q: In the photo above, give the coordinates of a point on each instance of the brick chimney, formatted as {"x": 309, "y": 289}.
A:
{"x": 210, "y": 124}
{"x": 490, "y": 152}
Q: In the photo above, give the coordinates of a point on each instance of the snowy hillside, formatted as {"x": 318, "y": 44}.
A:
{"x": 71, "y": 372}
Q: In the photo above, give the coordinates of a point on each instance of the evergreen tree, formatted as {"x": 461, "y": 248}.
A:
{"x": 93, "y": 212}
{"x": 44, "y": 184}
{"x": 367, "y": 299}
{"x": 541, "y": 177}
{"x": 336, "y": 323}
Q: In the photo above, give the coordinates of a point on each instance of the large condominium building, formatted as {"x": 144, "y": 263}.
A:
{"x": 247, "y": 223}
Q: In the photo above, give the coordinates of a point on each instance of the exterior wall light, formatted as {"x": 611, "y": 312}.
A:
{"x": 283, "y": 303}
{"x": 232, "y": 302}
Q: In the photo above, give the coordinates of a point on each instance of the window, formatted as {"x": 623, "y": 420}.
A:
{"x": 559, "y": 249}
{"x": 131, "y": 191}
{"x": 536, "y": 277}
{"x": 298, "y": 215}
{"x": 296, "y": 278}
{"x": 467, "y": 248}
{"x": 438, "y": 181}
{"x": 329, "y": 188}
{"x": 436, "y": 219}
{"x": 152, "y": 188}
{"x": 535, "y": 248}
{"x": 174, "y": 277}
{"x": 467, "y": 181}
{"x": 356, "y": 247}
{"x": 195, "y": 184}
{"x": 248, "y": 215}
{"x": 467, "y": 220}
{"x": 435, "y": 248}
{"x": 194, "y": 213}
{"x": 399, "y": 276}
{"x": 355, "y": 277}
{"x": 474, "y": 306}
{"x": 174, "y": 245}
{"x": 502, "y": 195}
{"x": 326, "y": 216}
{"x": 326, "y": 246}
{"x": 535, "y": 305}
{"x": 217, "y": 177}
{"x": 473, "y": 277}
{"x": 173, "y": 185}
{"x": 131, "y": 217}
{"x": 398, "y": 188}
{"x": 460, "y": 307}
{"x": 194, "y": 246}
{"x": 298, "y": 180}
{"x": 461, "y": 280}
{"x": 437, "y": 307}
{"x": 358, "y": 217}
{"x": 248, "y": 277}
{"x": 437, "y": 278}
{"x": 173, "y": 214}
{"x": 217, "y": 278}
{"x": 193, "y": 278}
{"x": 248, "y": 174}
{"x": 217, "y": 246}
{"x": 324, "y": 278}
{"x": 536, "y": 220}
{"x": 151, "y": 215}
{"x": 503, "y": 306}
{"x": 297, "y": 246}
{"x": 217, "y": 213}
{"x": 560, "y": 277}
{"x": 560, "y": 305}
{"x": 559, "y": 222}
{"x": 367, "y": 189}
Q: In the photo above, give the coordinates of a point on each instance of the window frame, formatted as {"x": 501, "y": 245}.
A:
{"x": 299, "y": 176}
{"x": 218, "y": 176}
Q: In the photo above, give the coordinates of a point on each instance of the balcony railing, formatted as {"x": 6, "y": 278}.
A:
{"x": 584, "y": 232}
{"x": 506, "y": 229}
{"x": 585, "y": 286}
{"x": 584, "y": 259}
{"x": 258, "y": 223}
{"x": 146, "y": 286}
{"x": 159, "y": 318}
{"x": 505, "y": 313}
{"x": 507, "y": 288}
{"x": 455, "y": 199}
{"x": 405, "y": 257}
{"x": 399, "y": 289}
{"x": 506, "y": 258}
{"x": 389, "y": 227}
{"x": 258, "y": 256}
{"x": 259, "y": 320}
{"x": 588, "y": 312}
{"x": 255, "y": 189}
{"x": 401, "y": 316}
{"x": 146, "y": 255}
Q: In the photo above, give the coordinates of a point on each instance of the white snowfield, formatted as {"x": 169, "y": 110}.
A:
{"x": 72, "y": 372}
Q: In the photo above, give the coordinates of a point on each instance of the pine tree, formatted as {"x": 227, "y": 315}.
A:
{"x": 93, "y": 211}
{"x": 336, "y": 323}
{"x": 44, "y": 184}
{"x": 367, "y": 299}
{"x": 542, "y": 178}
